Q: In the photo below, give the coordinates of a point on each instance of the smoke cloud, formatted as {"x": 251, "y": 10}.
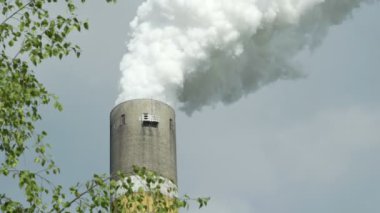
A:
{"x": 194, "y": 53}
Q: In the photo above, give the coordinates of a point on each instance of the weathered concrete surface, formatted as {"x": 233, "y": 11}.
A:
{"x": 144, "y": 146}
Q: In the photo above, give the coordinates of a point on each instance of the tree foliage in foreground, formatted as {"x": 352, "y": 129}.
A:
{"x": 30, "y": 33}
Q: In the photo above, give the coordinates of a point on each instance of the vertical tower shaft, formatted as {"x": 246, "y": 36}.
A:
{"x": 143, "y": 135}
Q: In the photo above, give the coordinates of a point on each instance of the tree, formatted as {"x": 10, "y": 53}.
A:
{"x": 31, "y": 33}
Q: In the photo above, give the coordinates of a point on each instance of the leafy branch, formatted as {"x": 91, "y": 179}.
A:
{"x": 29, "y": 35}
{"x": 16, "y": 12}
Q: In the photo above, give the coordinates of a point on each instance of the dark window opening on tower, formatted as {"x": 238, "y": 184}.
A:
{"x": 122, "y": 119}
{"x": 171, "y": 124}
{"x": 149, "y": 120}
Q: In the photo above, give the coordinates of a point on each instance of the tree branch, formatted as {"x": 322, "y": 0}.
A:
{"x": 17, "y": 11}
{"x": 94, "y": 184}
{"x": 17, "y": 171}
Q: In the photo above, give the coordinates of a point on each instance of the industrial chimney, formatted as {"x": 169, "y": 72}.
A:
{"x": 143, "y": 135}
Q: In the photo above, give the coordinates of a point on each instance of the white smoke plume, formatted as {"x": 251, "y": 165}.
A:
{"x": 193, "y": 53}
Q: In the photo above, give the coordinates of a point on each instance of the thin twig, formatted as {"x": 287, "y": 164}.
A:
{"x": 81, "y": 195}
{"x": 14, "y": 13}
{"x": 17, "y": 171}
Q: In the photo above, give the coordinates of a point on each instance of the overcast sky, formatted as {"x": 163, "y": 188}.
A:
{"x": 307, "y": 145}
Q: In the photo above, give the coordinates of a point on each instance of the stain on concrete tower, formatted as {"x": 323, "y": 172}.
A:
{"x": 143, "y": 134}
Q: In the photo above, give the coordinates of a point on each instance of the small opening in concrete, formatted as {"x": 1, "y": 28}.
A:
{"x": 150, "y": 124}
{"x": 149, "y": 120}
{"x": 122, "y": 119}
{"x": 171, "y": 125}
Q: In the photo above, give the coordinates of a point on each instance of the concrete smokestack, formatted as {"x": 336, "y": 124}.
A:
{"x": 143, "y": 134}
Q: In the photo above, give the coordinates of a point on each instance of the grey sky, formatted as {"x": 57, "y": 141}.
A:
{"x": 309, "y": 145}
